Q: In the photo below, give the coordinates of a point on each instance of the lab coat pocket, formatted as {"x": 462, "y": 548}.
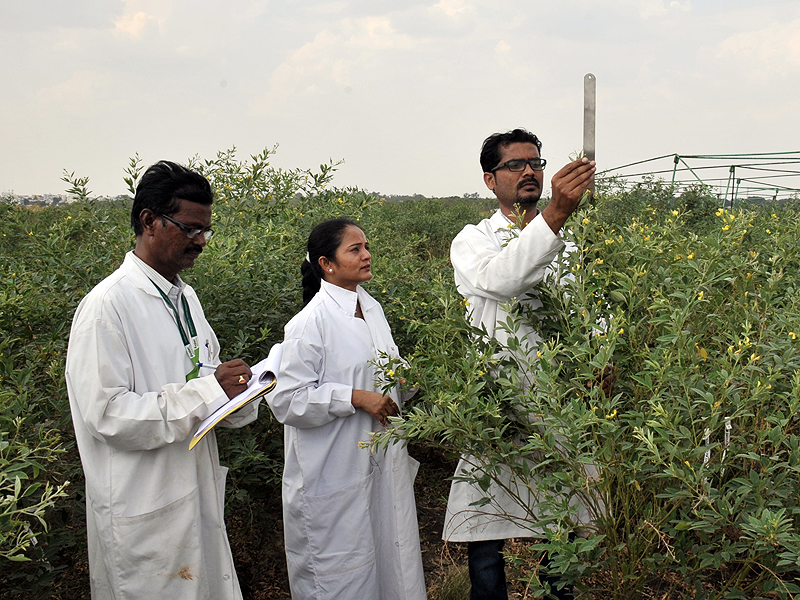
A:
{"x": 340, "y": 532}
{"x": 410, "y": 469}
{"x": 159, "y": 554}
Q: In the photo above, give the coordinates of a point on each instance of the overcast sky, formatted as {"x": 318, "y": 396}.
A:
{"x": 403, "y": 91}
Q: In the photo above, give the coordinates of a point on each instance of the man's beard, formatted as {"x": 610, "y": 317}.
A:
{"x": 528, "y": 199}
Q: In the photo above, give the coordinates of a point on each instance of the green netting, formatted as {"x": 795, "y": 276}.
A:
{"x": 731, "y": 177}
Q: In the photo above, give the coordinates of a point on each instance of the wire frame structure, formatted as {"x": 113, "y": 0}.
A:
{"x": 768, "y": 176}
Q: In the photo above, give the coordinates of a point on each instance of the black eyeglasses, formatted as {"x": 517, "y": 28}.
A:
{"x": 190, "y": 233}
{"x": 518, "y": 164}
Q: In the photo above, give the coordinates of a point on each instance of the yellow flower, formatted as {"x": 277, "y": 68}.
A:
{"x": 690, "y": 256}
{"x": 793, "y": 335}
{"x": 726, "y": 228}
{"x": 700, "y": 295}
{"x": 621, "y": 331}
{"x": 599, "y": 261}
{"x": 769, "y": 232}
{"x": 586, "y": 221}
{"x": 674, "y": 213}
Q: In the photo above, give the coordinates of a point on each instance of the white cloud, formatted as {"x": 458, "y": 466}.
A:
{"x": 135, "y": 24}
{"x": 375, "y": 33}
{"x": 403, "y": 90}
{"x": 770, "y": 52}
{"x": 328, "y": 8}
{"x": 650, "y": 9}
{"x": 307, "y": 67}
{"x": 84, "y": 87}
{"x": 362, "y": 44}
{"x": 455, "y": 8}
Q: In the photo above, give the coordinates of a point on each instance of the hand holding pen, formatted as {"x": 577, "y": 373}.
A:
{"x": 232, "y": 375}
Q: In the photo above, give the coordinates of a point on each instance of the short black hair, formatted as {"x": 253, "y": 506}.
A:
{"x": 490, "y": 151}
{"x": 162, "y": 185}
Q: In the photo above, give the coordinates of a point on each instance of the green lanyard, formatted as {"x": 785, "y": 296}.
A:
{"x": 191, "y": 345}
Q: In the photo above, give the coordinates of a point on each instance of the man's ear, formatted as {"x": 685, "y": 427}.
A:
{"x": 148, "y": 220}
{"x": 489, "y": 180}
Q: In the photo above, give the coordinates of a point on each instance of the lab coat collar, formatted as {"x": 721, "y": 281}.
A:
{"x": 504, "y": 228}
{"x": 346, "y": 300}
{"x": 143, "y": 274}
{"x": 501, "y": 222}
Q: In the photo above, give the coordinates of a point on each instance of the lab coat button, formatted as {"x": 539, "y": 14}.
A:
{"x": 226, "y": 577}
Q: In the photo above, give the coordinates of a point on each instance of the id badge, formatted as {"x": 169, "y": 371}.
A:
{"x": 196, "y": 362}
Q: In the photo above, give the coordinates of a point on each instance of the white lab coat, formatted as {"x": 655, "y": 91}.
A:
{"x": 350, "y": 519}
{"x": 154, "y": 509}
{"x": 494, "y": 262}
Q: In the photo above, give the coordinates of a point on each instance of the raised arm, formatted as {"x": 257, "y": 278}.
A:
{"x": 568, "y": 187}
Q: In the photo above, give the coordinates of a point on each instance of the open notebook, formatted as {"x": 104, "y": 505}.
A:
{"x": 265, "y": 377}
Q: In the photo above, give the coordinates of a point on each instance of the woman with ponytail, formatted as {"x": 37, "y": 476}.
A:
{"x": 350, "y": 520}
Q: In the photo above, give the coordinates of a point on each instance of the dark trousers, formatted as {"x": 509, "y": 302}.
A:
{"x": 487, "y": 573}
{"x": 487, "y": 570}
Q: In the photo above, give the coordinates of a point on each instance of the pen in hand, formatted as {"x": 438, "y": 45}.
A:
{"x": 207, "y": 366}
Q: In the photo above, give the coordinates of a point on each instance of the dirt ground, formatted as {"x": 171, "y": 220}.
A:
{"x": 256, "y": 540}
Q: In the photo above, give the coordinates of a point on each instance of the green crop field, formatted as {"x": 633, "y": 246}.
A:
{"x": 694, "y": 308}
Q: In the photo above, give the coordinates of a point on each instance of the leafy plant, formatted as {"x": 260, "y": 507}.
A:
{"x": 689, "y": 468}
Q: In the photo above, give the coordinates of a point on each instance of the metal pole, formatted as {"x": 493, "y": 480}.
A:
{"x": 589, "y": 113}
{"x": 675, "y": 167}
{"x": 730, "y": 188}
{"x": 738, "y": 182}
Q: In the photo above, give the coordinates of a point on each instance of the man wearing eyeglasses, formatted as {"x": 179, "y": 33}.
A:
{"x": 498, "y": 261}
{"x": 137, "y": 391}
